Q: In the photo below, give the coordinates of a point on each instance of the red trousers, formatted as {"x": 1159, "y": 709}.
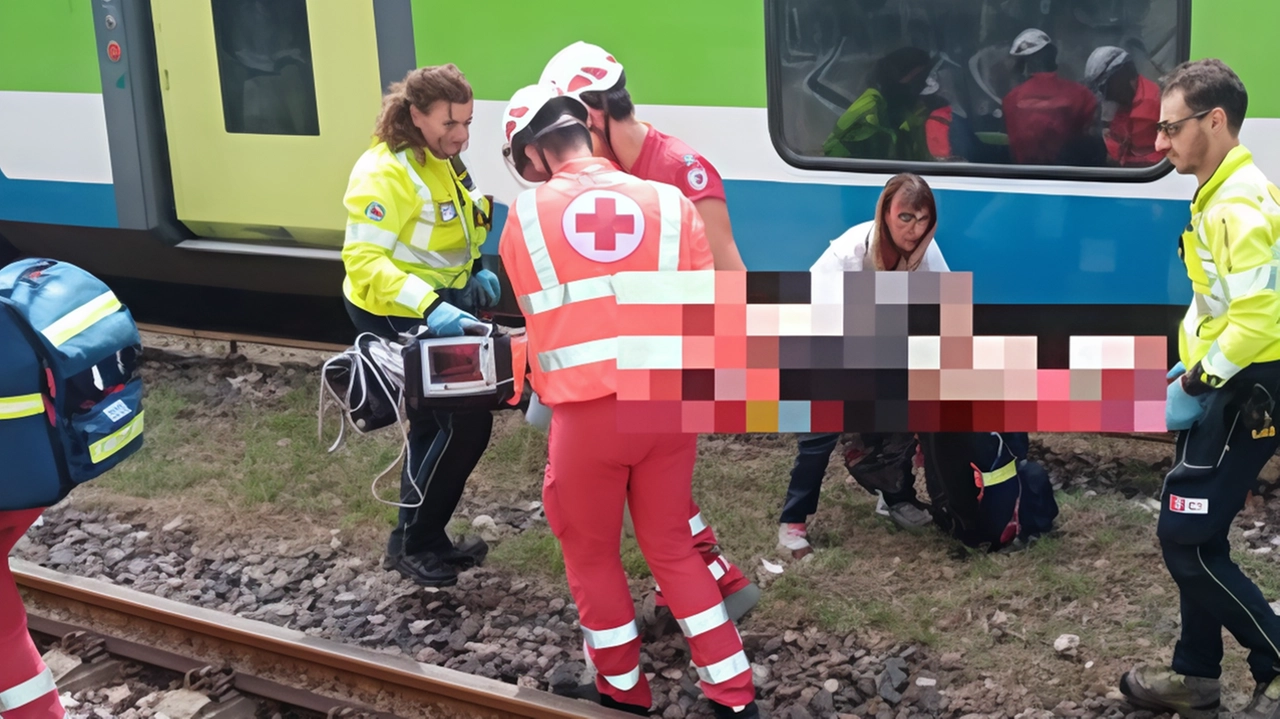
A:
{"x": 727, "y": 575}
{"x": 592, "y": 471}
{"x": 22, "y": 671}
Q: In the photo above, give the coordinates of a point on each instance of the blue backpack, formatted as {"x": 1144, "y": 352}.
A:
{"x": 70, "y": 394}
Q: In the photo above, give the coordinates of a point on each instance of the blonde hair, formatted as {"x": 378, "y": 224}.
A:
{"x": 421, "y": 88}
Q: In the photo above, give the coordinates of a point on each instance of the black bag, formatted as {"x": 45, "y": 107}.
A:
{"x": 983, "y": 489}
{"x": 357, "y": 380}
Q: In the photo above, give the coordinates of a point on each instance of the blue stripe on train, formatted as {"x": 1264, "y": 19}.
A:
{"x": 1022, "y": 248}
{"x": 83, "y": 204}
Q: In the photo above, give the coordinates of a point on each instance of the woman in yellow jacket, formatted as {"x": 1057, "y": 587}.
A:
{"x": 414, "y": 231}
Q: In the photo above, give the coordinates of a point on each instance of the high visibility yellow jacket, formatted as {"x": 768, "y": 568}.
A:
{"x": 1231, "y": 254}
{"x": 411, "y": 229}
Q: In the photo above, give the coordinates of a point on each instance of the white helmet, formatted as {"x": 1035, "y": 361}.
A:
{"x": 1029, "y": 42}
{"x": 1102, "y": 64}
{"x": 520, "y": 111}
{"x": 582, "y": 67}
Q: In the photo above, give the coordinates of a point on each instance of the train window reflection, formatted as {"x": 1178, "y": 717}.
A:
{"x": 264, "y": 64}
{"x": 1046, "y": 83}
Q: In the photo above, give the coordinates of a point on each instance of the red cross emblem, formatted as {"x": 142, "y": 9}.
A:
{"x": 603, "y": 225}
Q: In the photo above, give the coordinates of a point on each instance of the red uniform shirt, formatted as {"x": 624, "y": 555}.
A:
{"x": 664, "y": 158}
{"x": 1042, "y": 114}
{"x": 1131, "y": 137}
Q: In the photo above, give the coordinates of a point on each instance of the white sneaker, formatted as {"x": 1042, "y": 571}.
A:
{"x": 793, "y": 538}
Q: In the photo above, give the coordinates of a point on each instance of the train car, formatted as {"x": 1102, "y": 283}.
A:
{"x": 194, "y": 153}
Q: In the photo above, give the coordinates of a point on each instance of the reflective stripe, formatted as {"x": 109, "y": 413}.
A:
{"x": 413, "y": 292}
{"x": 1001, "y": 475}
{"x": 626, "y": 681}
{"x": 1217, "y": 364}
{"x": 560, "y": 295}
{"x": 723, "y": 671}
{"x": 424, "y": 192}
{"x": 716, "y": 568}
{"x": 427, "y": 218}
{"x": 531, "y": 227}
{"x": 116, "y": 441}
{"x": 696, "y": 525}
{"x": 651, "y": 352}
{"x": 424, "y": 228}
{"x": 28, "y": 691}
{"x": 605, "y": 638}
{"x": 81, "y": 318}
{"x": 451, "y": 259}
{"x": 666, "y": 288}
{"x": 1244, "y": 283}
{"x": 23, "y": 405}
{"x": 669, "y": 238}
{"x": 704, "y": 621}
{"x": 363, "y": 232}
{"x": 579, "y": 354}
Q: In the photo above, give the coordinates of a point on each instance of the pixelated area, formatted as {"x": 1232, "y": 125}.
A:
{"x": 735, "y": 352}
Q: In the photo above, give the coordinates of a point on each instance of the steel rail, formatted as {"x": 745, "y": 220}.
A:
{"x": 442, "y": 692}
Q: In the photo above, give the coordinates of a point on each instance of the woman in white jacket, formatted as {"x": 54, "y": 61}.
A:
{"x": 899, "y": 238}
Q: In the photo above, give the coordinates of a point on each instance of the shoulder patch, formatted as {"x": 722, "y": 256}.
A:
{"x": 697, "y": 177}
{"x": 375, "y": 211}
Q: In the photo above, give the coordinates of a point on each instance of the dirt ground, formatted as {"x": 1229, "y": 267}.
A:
{"x": 233, "y": 449}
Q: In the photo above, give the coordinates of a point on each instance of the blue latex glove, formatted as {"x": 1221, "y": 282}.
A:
{"x": 489, "y": 284}
{"x": 449, "y": 321}
{"x": 1177, "y": 371}
{"x": 1181, "y": 410}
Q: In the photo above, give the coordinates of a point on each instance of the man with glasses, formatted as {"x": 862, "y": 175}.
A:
{"x": 1223, "y": 405}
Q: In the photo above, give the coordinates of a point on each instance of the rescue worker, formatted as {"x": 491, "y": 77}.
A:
{"x": 887, "y": 121}
{"x": 595, "y": 77}
{"x": 561, "y": 245}
{"x": 1048, "y": 118}
{"x": 900, "y": 237}
{"x": 1221, "y": 400}
{"x": 27, "y": 690}
{"x": 1130, "y": 102}
{"x": 413, "y": 240}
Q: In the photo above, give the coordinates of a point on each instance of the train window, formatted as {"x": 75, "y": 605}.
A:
{"x": 264, "y": 65}
{"x": 1015, "y": 88}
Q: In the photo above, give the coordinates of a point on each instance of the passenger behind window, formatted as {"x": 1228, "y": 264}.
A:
{"x": 1130, "y": 102}
{"x": 887, "y": 120}
{"x": 1049, "y": 119}
{"x": 948, "y": 129}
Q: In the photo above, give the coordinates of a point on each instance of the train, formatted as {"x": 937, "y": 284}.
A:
{"x": 194, "y": 153}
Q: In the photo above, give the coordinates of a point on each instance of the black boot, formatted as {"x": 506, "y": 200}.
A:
{"x": 608, "y": 701}
{"x": 750, "y": 711}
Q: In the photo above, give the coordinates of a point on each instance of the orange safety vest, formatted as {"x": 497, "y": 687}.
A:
{"x": 562, "y": 245}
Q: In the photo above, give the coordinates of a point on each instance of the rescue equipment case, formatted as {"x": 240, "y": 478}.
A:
{"x": 70, "y": 394}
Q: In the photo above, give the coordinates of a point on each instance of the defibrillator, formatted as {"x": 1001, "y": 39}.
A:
{"x": 470, "y": 372}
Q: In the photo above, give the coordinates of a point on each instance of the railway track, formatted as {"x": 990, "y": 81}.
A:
{"x": 288, "y": 666}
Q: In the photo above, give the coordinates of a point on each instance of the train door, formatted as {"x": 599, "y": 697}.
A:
{"x": 267, "y": 104}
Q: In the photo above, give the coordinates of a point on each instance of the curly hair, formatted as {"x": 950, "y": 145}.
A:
{"x": 421, "y": 88}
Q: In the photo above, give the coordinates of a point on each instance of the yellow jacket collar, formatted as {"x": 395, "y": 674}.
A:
{"x": 1238, "y": 157}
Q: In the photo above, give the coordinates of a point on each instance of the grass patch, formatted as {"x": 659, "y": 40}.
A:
{"x": 535, "y": 552}
{"x": 1100, "y": 576}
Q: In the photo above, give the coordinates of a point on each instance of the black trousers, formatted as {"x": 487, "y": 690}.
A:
{"x": 809, "y": 469}
{"x": 1218, "y": 461}
{"x": 444, "y": 448}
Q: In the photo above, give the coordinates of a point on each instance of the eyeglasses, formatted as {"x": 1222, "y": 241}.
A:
{"x": 1171, "y": 128}
{"x": 908, "y": 218}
